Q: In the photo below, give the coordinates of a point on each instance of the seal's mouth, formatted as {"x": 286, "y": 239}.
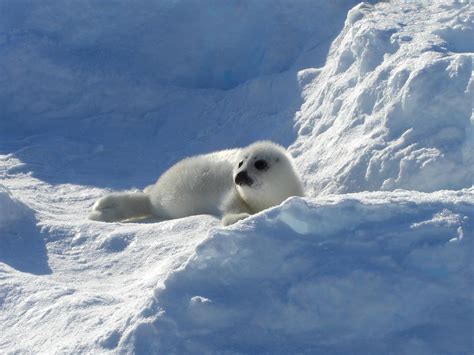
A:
{"x": 243, "y": 179}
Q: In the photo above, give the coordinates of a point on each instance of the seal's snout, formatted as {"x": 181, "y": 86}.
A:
{"x": 242, "y": 178}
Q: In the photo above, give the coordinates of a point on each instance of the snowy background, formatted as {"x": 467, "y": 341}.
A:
{"x": 375, "y": 103}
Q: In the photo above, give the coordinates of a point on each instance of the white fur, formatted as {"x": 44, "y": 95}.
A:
{"x": 204, "y": 184}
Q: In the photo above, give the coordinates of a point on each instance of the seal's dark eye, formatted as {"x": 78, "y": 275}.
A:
{"x": 241, "y": 162}
{"x": 261, "y": 165}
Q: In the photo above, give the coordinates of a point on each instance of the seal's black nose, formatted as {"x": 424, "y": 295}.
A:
{"x": 242, "y": 178}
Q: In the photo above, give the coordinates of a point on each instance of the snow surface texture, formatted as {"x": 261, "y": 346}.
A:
{"x": 92, "y": 96}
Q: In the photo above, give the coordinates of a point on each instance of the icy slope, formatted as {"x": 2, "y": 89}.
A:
{"x": 392, "y": 107}
{"x": 97, "y": 95}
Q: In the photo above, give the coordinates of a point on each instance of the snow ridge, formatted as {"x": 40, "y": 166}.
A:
{"x": 392, "y": 107}
{"x": 375, "y": 273}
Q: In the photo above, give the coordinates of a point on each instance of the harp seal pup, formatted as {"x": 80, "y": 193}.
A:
{"x": 232, "y": 184}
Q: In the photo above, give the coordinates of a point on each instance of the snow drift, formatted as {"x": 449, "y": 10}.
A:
{"x": 372, "y": 273}
{"x": 21, "y": 245}
{"x": 392, "y": 107}
{"x": 378, "y": 99}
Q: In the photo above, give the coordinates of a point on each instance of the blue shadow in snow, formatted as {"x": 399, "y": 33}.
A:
{"x": 23, "y": 248}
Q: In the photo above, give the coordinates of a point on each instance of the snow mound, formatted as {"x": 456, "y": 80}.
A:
{"x": 21, "y": 245}
{"x": 12, "y": 211}
{"x": 392, "y": 106}
{"x": 361, "y": 273}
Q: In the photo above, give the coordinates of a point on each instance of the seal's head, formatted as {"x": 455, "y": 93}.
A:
{"x": 264, "y": 176}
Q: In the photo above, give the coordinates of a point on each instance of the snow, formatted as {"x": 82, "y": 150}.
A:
{"x": 374, "y": 103}
{"x": 392, "y": 106}
{"x": 335, "y": 286}
{"x": 20, "y": 245}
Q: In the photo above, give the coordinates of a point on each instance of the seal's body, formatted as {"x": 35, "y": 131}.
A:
{"x": 232, "y": 184}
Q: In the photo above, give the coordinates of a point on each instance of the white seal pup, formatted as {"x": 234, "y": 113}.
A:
{"x": 231, "y": 184}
